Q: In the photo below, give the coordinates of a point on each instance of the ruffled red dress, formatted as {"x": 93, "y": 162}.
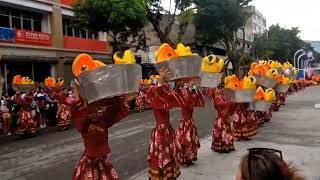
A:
{"x": 187, "y": 134}
{"x": 276, "y": 104}
{"x": 222, "y": 138}
{"x": 164, "y": 149}
{"x": 64, "y": 110}
{"x": 93, "y": 126}
{"x": 244, "y": 122}
{"x": 26, "y": 123}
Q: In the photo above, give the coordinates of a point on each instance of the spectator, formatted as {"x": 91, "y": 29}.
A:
{"x": 6, "y": 117}
{"x": 265, "y": 164}
{"x": 42, "y": 100}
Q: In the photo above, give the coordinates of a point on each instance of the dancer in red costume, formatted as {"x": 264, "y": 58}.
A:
{"x": 222, "y": 139}
{"x": 93, "y": 121}
{"x": 64, "y": 109}
{"x": 139, "y": 104}
{"x": 26, "y": 123}
{"x": 187, "y": 131}
{"x": 282, "y": 97}
{"x": 244, "y": 122}
{"x": 164, "y": 149}
{"x": 276, "y": 104}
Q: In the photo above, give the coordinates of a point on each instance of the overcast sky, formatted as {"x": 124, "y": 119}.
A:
{"x": 304, "y": 14}
{"x": 293, "y": 13}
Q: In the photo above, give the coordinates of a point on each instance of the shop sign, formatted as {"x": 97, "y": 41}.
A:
{"x": 6, "y": 34}
{"x": 32, "y": 37}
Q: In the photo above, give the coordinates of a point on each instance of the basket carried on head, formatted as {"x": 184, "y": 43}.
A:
{"x": 240, "y": 96}
{"x": 23, "y": 87}
{"x": 265, "y": 81}
{"x": 262, "y": 106}
{"x": 182, "y": 67}
{"x": 282, "y": 88}
{"x": 109, "y": 81}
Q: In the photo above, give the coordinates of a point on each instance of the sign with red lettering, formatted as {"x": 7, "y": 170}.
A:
{"x": 32, "y": 37}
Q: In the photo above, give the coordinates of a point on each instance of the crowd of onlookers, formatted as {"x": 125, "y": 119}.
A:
{"x": 43, "y": 107}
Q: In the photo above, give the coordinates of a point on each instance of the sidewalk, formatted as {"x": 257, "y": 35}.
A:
{"x": 295, "y": 131}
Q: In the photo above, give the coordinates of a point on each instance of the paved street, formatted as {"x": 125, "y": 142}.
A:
{"x": 294, "y": 131}
{"x": 53, "y": 155}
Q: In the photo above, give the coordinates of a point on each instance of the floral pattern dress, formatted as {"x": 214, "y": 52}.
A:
{"x": 187, "y": 134}
{"x": 64, "y": 110}
{"x": 222, "y": 139}
{"x": 276, "y": 104}
{"x": 93, "y": 126}
{"x": 26, "y": 124}
{"x": 164, "y": 149}
{"x": 244, "y": 122}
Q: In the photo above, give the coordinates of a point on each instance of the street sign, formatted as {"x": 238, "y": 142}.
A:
{"x": 6, "y": 34}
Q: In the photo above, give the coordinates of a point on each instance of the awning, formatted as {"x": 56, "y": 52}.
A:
{"x": 14, "y": 58}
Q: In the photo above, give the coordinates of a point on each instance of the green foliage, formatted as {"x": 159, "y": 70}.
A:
{"x": 279, "y": 43}
{"x": 219, "y": 21}
{"x": 120, "y": 18}
{"x": 158, "y": 13}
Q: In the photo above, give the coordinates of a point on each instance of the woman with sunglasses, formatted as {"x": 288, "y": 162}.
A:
{"x": 265, "y": 164}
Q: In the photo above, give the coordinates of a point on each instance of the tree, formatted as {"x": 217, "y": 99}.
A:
{"x": 123, "y": 20}
{"x": 219, "y": 21}
{"x": 157, "y": 13}
{"x": 280, "y": 44}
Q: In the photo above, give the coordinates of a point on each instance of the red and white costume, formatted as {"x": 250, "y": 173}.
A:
{"x": 93, "y": 126}
{"x": 164, "y": 150}
{"x": 187, "y": 134}
{"x": 64, "y": 110}
{"x": 26, "y": 123}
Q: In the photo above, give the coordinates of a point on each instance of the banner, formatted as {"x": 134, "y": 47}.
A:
{"x": 6, "y": 34}
{"x": 32, "y": 37}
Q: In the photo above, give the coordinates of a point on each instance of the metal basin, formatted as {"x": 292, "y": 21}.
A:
{"x": 240, "y": 96}
{"x": 211, "y": 80}
{"x": 112, "y": 80}
{"x": 282, "y": 88}
{"x": 265, "y": 81}
{"x": 23, "y": 87}
{"x": 183, "y": 67}
{"x": 262, "y": 106}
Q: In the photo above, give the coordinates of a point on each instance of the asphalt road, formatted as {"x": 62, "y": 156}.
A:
{"x": 53, "y": 155}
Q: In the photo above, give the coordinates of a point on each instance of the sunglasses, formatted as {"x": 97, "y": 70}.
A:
{"x": 260, "y": 151}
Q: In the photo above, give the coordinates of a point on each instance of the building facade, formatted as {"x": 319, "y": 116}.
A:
{"x": 37, "y": 40}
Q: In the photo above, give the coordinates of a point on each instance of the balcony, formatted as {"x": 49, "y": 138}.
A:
{"x": 84, "y": 44}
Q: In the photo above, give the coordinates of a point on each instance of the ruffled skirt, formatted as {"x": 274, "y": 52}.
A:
{"x": 26, "y": 123}
{"x": 187, "y": 136}
{"x": 222, "y": 139}
{"x": 64, "y": 117}
{"x": 244, "y": 124}
{"x": 97, "y": 168}
{"x": 164, "y": 153}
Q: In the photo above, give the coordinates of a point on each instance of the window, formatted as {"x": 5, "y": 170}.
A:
{"x": 69, "y": 30}
{"x": 4, "y": 21}
{"x": 37, "y": 26}
{"x": 27, "y": 24}
{"x": 16, "y": 22}
{"x": 18, "y": 19}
